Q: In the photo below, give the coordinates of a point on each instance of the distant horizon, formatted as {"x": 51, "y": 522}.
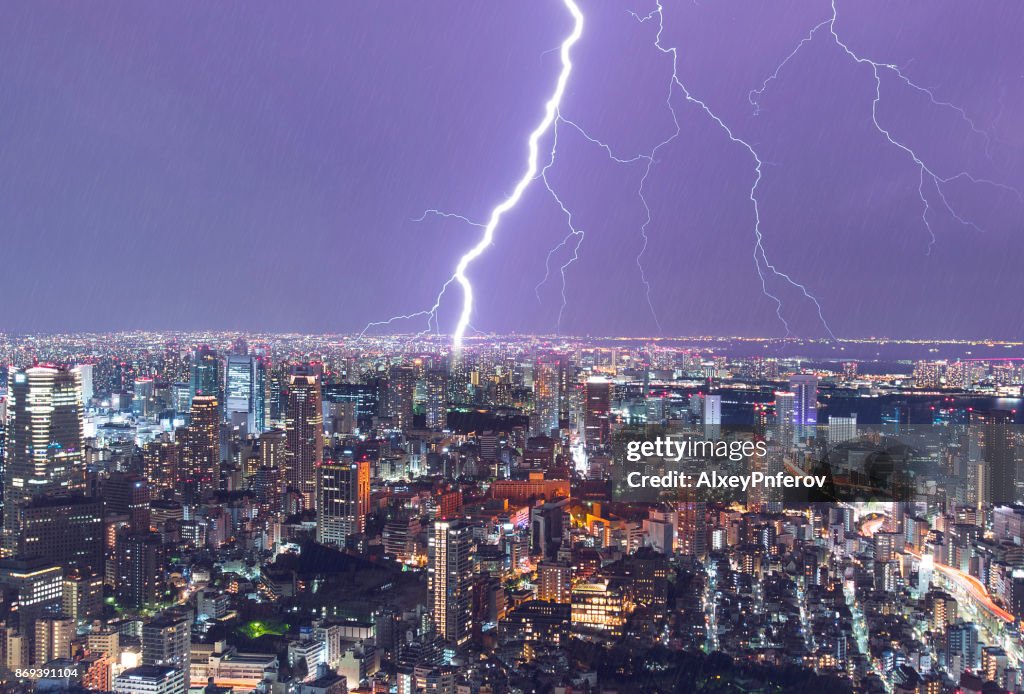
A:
{"x": 480, "y": 337}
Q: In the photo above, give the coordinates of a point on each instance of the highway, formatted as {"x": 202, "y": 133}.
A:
{"x": 972, "y": 586}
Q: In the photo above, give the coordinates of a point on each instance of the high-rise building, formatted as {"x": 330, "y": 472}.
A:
{"x": 712, "y": 417}
{"x": 44, "y": 453}
{"x": 82, "y": 598}
{"x": 245, "y": 392}
{"x": 554, "y": 581}
{"x": 547, "y": 394}
{"x": 35, "y": 586}
{"x": 273, "y": 446}
{"x": 343, "y": 500}
{"x": 436, "y": 382}
{"x": 166, "y": 642}
{"x": 597, "y": 409}
{"x": 85, "y": 372}
{"x": 992, "y": 435}
{"x": 842, "y": 429}
{"x": 205, "y": 373}
{"x": 304, "y": 433}
{"x": 401, "y": 389}
{"x": 805, "y": 411}
{"x": 140, "y": 569}
{"x": 200, "y": 461}
{"x": 65, "y": 530}
{"x": 450, "y": 579}
{"x": 785, "y": 415}
{"x": 962, "y": 646}
{"x": 160, "y": 460}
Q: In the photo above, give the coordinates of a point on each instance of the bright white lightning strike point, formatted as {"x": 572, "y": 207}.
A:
{"x": 550, "y": 114}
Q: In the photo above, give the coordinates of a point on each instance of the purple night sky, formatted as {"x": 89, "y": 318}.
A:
{"x": 256, "y": 165}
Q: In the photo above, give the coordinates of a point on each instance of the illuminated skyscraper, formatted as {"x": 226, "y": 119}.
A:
{"x": 343, "y": 500}
{"x": 44, "y": 453}
{"x": 401, "y": 389}
{"x": 992, "y": 435}
{"x": 140, "y": 569}
{"x": 205, "y": 372}
{"x": 200, "y": 459}
{"x": 436, "y": 382}
{"x": 842, "y": 429}
{"x": 450, "y": 578}
{"x": 712, "y": 417}
{"x": 547, "y": 394}
{"x": 304, "y": 430}
{"x": 597, "y": 409}
{"x": 85, "y": 372}
{"x": 805, "y": 411}
{"x": 784, "y": 418}
{"x": 245, "y": 392}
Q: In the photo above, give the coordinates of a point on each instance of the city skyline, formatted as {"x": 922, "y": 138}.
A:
{"x": 145, "y": 173}
{"x": 303, "y": 514}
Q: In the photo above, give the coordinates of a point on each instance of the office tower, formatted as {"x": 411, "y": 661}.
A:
{"x": 140, "y": 566}
{"x": 547, "y": 394}
{"x": 548, "y": 527}
{"x": 35, "y": 586}
{"x": 205, "y": 373}
{"x": 784, "y": 418}
{"x": 144, "y": 397}
{"x": 364, "y": 399}
{"x": 129, "y": 495}
{"x": 166, "y": 641}
{"x": 65, "y": 530}
{"x": 992, "y": 434}
{"x": 596, "y": 412}
{"x": 450, "y": 579}
{"x": 200, "y": 459}
{"x": 52, "y": 639}
{"x": 343, "y": 500}
{"x": 805, "y": 411}
{"x": 151, "y": 680}
{"x": 44, "y": 453}
{"x": 401, "y": 388}
{"x": 245, "y": 392}
{"x": 436, "y": 382}
{"x": 712, "y": 417}
{"x": 304, "y": 430}
{"x": 842, "y": 429}
{"x": 85, "y": 374}
{"x": 181, "y": 397}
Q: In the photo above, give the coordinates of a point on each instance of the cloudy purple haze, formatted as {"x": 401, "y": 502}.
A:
{"x": 258, "y": 166}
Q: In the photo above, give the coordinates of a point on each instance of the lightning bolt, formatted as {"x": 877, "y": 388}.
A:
{"x": 927, "y": 176}
{"x": 760, "y": 256}
{"x": 648, "y": 159}
{"x": 533, "y": 155}
{"x": 447, "y": 215}
{"x": 573, "y": 231}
